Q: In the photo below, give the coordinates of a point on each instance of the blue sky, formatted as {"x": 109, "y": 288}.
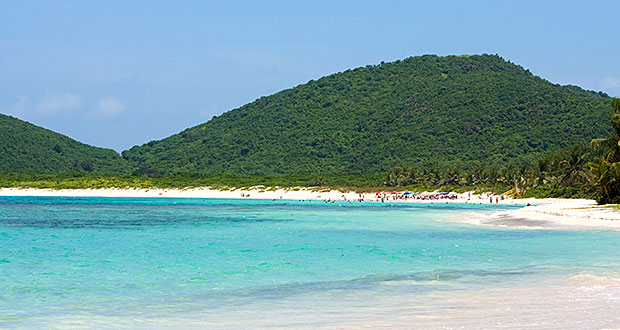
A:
{"x": 121, "y": 73}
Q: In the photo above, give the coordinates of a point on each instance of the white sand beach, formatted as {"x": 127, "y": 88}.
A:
{"x": 298, "y": 193}
{"x": 550, "y": 212}
{"x": 566, "y": 213}
{"x": 203, "y": 192}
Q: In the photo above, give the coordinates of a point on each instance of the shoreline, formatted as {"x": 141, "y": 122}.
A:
{"x": 567, "y": 214}
{"x": 297, "y": 193}
{"x": 548, "y": 213}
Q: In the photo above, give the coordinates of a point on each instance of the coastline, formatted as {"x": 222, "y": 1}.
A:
{"x": 548, "y": 213}
{"x": 567, "y": 213}
{"x": 298, "y": 193}
{"x": 485, "y": 290}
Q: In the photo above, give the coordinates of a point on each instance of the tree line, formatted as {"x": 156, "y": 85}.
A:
{"x": 587, "y": 170}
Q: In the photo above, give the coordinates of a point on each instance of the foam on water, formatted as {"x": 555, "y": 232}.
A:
{"x": 127, "y": 262}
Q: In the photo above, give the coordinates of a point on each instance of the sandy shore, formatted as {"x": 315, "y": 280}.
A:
{"x": 206, "y": 192}
{"x": 565, "y": 213}
{"x": 543, "y": 213}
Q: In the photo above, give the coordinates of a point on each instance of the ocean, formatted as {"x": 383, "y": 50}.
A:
{"x": 73, "y": 262}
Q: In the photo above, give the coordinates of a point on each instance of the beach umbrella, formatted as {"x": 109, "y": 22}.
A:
{"x": 408, "y": 193}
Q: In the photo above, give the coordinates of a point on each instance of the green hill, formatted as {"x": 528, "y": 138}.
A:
{"x": 28, "y": 148}
{"x": 421, "y": 111}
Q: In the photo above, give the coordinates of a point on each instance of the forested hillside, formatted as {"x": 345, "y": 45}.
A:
{"x": 423, "y": 111}
{"x": 28, "y": 148}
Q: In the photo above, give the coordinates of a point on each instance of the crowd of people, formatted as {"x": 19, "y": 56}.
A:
{"x": 387, "y": 196}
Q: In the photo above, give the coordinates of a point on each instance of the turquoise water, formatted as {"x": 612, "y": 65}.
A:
{"x": 126, "y": 258}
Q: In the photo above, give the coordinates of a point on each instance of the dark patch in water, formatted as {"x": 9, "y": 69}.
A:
{"x": 510, "y": 221}
{"x": 122, "y": 223}
{"x": 222, "y": 298}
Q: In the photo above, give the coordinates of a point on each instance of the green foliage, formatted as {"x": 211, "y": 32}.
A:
{"x": 577, "y": 190}
{"x": 425, "y": 123}
{"x": 606, "y": 169}
{"x": 546, "y": 177}
{"x": 224, "y": 181}
{"x": 562, "y": 173}
{"x": 421, "y": 112}
{"x": 28, "y": 148}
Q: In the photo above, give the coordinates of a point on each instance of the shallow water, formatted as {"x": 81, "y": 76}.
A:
{"x": 158, "y": 262}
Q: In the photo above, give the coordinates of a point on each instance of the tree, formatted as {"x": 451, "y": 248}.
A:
{"x": 574, "y": 165}
{"x": 541, "y": 168}
{"x": 608, "y": 178}
{"x": 611, "y": 145}
{"x": 607, "y": 168}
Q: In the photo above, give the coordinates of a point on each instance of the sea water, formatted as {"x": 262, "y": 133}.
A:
{"x": 242, "y": 263}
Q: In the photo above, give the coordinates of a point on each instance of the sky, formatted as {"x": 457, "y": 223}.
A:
{"x": 121, "y": 73}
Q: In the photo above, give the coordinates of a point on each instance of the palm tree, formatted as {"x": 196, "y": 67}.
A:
{"x": 607, "y": 169}
{"x": 574, "y": 166}
{"x": 608, "y": 178}
{"x": 491, "y": 176}
{"x": 611, "y": 145}
{"x": 541, "y": 169}
{"x": 452, "y": 176}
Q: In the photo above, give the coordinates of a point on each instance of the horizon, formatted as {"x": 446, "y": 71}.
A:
{"x": 116, "y": 68}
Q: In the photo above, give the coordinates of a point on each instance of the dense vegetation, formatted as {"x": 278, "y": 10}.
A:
{"x": 562, "y": 173}
{"x": 425, "y": 123}
{"x": 584, "y": 171}
{"x": 606, "y": 169}
{"x": 93, "y": 181}
{"x": 28, "y": 148}
{"x": 462, "y": 111}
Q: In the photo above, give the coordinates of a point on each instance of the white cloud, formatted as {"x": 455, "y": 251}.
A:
{"x": 610, "y": 85}
{"x": 107, "y": 107}
{"x": 22, "y": 108}
{"x": 208, "y": 111}
{"x": 54, "y": 104}
{"x": 51, "y": 105}
{"x": 610, "y": 82}
{"x": 63, "y": 104}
